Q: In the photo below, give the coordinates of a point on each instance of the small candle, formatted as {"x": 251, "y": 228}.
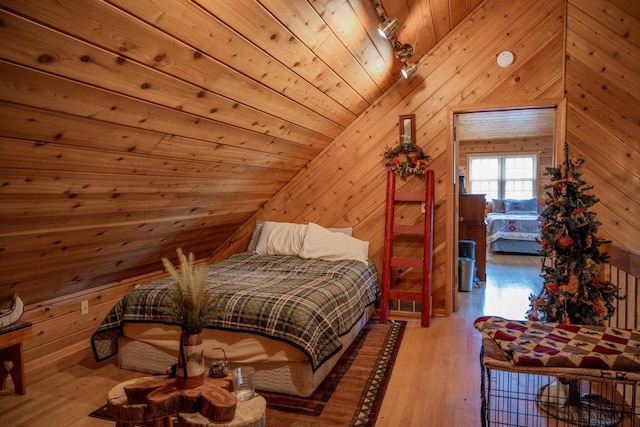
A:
{"x": 406, "y": 140}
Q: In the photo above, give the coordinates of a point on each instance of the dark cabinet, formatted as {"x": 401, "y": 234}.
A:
{"x": 472, "y": 227}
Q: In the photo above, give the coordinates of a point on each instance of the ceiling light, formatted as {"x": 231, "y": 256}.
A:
{"x": 403, "y": 51}
{"x": 409, "y": 70}
{"x": 388, "y": 28}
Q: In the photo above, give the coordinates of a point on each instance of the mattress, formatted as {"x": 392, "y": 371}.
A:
{"x": 279, "y": 366}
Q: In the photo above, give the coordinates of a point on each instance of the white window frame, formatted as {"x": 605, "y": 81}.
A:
{"x": 501, "y": 172}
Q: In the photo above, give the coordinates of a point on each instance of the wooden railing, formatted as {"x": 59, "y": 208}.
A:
{"x": 623, "y": 270}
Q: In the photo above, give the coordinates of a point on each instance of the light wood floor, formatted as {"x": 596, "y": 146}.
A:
{"x": 435, "y": 382}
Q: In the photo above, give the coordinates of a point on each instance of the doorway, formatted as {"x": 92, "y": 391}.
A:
{"x": 532, "y": 127}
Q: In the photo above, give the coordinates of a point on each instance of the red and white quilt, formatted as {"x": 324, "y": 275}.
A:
{"x": 537, "y": 344}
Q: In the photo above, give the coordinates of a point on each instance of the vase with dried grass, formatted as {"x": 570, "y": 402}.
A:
{"x": 191, "y": 308}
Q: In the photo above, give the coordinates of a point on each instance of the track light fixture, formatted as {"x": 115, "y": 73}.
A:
{"x": 409, "y": 70}
{"x": 387, "y": 29}
{"x": 402, "y": 51}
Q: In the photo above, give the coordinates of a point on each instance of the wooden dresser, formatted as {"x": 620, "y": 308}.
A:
{"x": 472, "y": 227}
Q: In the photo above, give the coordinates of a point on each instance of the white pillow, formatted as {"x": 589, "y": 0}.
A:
{"x": 261, "y": 233}
{"x": 267, "y": 228}
{"x": 286, "y": 239}
{"x": 251, "y": 247}
{"x": 324, "y": 244}
{"x": 346, "y": 230}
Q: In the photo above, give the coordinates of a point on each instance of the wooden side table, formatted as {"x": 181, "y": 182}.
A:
{"x": 150, "y": 411}
{"x": 12, "y": 355}
{"x": 249, "y": 413}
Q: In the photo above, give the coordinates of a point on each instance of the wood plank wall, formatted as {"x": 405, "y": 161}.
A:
{"x": 345, "y": 184}
{"x": 603, "y": 125}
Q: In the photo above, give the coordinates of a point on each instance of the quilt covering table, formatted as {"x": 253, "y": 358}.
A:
{"x": 307, "y": 303}
{"x": 536, "y": 344}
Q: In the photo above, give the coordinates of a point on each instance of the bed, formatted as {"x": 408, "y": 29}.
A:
{"x": 289, "y": 307}
{"x": 513, "y": 226}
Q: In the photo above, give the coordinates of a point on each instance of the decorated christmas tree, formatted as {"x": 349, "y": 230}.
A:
{"x": 573, "y": 291}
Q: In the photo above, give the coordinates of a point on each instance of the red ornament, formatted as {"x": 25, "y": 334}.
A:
{"x": 565, "y": 242}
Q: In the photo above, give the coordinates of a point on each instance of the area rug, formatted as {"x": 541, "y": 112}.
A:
{"x": 351, "y": 395}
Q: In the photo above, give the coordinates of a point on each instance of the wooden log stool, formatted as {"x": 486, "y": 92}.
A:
{"x": 249, "y": 413}
{"x": 154, "y": 401}
{"x": 128, "y": 414}
{"x": 12, "y": 355}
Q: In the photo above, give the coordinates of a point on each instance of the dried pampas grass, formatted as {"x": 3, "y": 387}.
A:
{"x": 191, "y": 303}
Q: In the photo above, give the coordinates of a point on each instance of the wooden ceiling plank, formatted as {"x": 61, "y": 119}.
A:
{"x": 258, "y": 25}
{"x": 472, "y": 4}
{"x": 119, "y": 32}
{"x": 50, "y": 51}
{"x": 441, "y": 18}
{"x": 348, "y": 46}
{"x": 37, "y": 125}
{"x": 109, "y": 238}
{"x": 31, "y": 123}
{"x": 78, "y": 272}
{"x": 49, "y": 224}
{"x": 187, "y": 148}
{"x": 89, "y": 204}
{"x": 421, "y": 17}
{"x": 36, "y": 89}
{"x": 369, "y": 19}
{"x": 458, "y": 10}
{"x": 31, "y": 155}
{"x": 19, "y": 181}
{"x": 237, "y": 51}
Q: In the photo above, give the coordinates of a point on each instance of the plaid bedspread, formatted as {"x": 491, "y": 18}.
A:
{"x": 307, "y": 303}
{"x": 539, "y": 344}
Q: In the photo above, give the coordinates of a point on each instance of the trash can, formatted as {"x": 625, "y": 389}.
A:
{"x": 466, "y": 274}
{"x": 467, "y": 249}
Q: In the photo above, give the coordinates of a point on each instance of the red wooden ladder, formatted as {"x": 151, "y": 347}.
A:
{"x": 392, "y": 229}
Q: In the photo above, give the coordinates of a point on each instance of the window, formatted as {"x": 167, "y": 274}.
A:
{"x": 503, "y": 176}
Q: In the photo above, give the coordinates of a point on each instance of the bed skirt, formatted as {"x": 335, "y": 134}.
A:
{"x": 294, "y": 376}
{"x": 515, "y": 246}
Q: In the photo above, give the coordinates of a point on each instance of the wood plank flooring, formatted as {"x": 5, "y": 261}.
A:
{"x": 435, "y": 382}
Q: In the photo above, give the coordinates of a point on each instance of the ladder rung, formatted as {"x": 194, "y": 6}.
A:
{"x": 408, "y": 229}
{"x": 407, "y": 262}
{"x": 408, "y": 196}
{"x": 405, "y": 295}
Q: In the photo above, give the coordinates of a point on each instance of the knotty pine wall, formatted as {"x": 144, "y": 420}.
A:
{"x": 603, "y": 114}
{"x": 345, "y": 184}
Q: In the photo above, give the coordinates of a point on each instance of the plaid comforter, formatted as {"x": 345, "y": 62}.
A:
{"x": 307, "y": 303}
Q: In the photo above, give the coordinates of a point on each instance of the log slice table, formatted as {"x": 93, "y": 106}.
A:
{"x": 155, "y": 401}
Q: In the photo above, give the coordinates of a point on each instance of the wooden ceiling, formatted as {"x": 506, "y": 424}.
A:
{"x": 176, "y": 117}
{"x": 506, "y": 124}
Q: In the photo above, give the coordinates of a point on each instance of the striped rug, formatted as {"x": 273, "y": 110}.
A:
{"x": 352, "y": 393}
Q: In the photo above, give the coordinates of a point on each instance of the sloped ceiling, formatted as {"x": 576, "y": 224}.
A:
{"x": 129, "y": 128}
